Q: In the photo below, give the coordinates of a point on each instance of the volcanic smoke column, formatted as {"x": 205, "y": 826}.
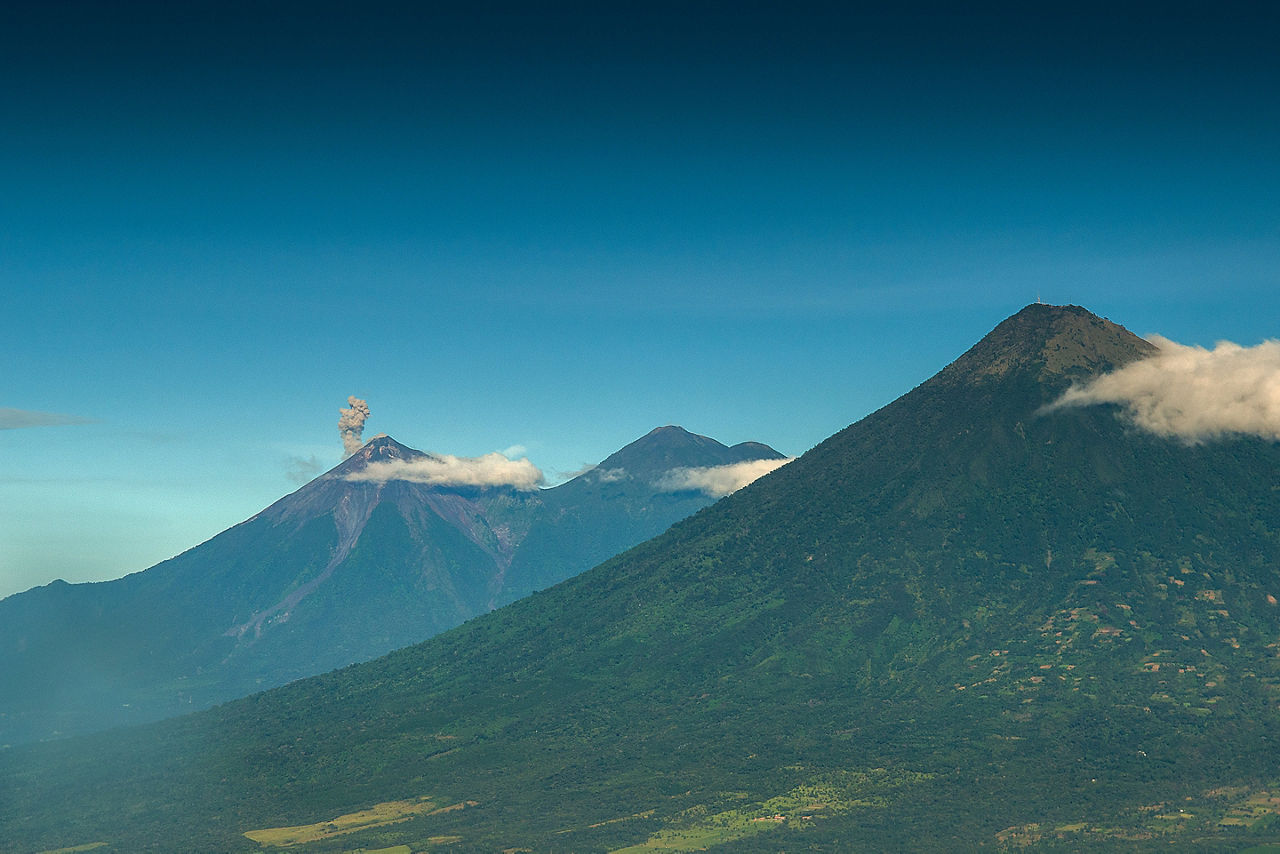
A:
{"x": 351, "y": 424}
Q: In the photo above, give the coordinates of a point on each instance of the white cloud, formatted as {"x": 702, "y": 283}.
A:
{"x": 489, "y": 470}
{"x": 13, "y": 419}
{"x": 718, "y": 481}
{"x": 1192, "y": 393}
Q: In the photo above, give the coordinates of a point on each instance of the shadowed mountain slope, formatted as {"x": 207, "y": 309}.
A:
{"x": 599, "y": 514}
{"x": 344, "y": 569}
{"x": 961, "y": 622}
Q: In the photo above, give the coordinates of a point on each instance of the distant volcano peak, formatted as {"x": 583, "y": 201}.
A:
{"x": 1058, "y": 344}
{"x": 669, "y": 447}
{"x": 379, "y": 449}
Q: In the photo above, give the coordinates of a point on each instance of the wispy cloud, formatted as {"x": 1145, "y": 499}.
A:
{"x": 14, "y": 419}
{"x": 717, "y": 481}
{"x": 578, "y": 472}
{"x": 303, "y": 469}
{"x": 1192, "y": 393}
{"x": 489, "y": 470}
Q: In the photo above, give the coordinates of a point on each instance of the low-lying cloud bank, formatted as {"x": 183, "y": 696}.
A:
{"x": 1192, "y": 393}
{"x": 489, "y": 470}
{"x": 718, "y": 481}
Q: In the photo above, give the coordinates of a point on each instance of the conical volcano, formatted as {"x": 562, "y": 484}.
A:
{"x": 965, "y": 621}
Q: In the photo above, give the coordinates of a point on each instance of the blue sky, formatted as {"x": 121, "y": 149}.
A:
{"x": 558, "y": 226}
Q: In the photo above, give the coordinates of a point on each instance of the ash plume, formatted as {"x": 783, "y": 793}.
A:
{"x": 1192, "y": 393}
{"x": 351, "y": 424}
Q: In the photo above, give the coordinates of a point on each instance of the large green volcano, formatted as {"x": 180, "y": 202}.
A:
{"x": 963, "y": 621}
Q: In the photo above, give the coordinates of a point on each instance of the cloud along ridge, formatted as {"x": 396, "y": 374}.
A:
{"x": 1192, "y": 393}
{"x": 718, "y": 481}
{"x": 487, "y": 470}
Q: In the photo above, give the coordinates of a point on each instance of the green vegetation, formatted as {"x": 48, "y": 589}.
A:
{"x": 956, "y": 624}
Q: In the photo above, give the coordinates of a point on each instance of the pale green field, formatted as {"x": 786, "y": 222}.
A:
{"x": 831, "y": 795}
{"x": 378, "y": 815}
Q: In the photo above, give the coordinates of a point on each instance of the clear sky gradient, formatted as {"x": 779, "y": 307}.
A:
{"x": 558, "y": 226}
